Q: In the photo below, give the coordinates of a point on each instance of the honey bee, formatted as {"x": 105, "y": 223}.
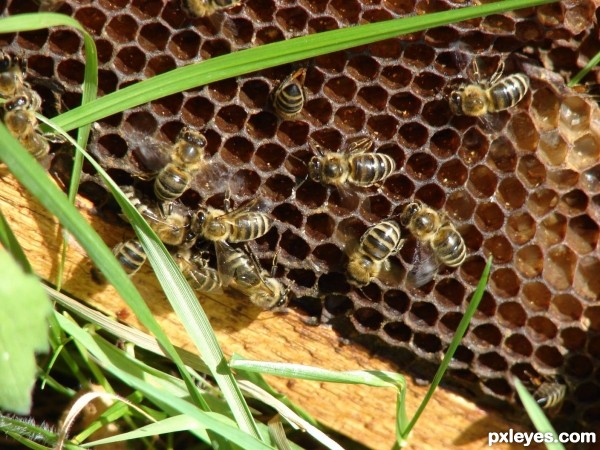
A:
{"x": 550, "y": 394}
{"x": 131, "y": 256}
{"x": 197, "y": 273}
{"x": 356, "y": 165}
{"x": 238, "y": 225}
{"x": 436, "y": 231}
{"x": 20, "y": 119}
{"x": 172, "y": 229}
{"x": 12, "y": 75}
{"x": 491, "y": 96}
{"x": 376, "y": 245}
{"x": 187, "y": 158}
{"x": 289, "y": 97}
{"x": 242, "y": 273}
{"x": 201, "y": 8}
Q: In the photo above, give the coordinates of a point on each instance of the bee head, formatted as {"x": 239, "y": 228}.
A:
{"x": 20, "y": 102}
{"x": 456, "y": 102}
{"x": 409, "y": 212}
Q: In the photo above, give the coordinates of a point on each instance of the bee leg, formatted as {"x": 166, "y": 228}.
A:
{"x": 227, "y": 201}
{"x": 497, "y": 74}
{"x": 476, "y": 73}
{"x": 169, "y": 209}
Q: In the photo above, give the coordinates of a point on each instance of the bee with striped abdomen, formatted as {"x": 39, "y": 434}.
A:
{"x": 289, "y": 97}
{"x": 495, "y": 95}
{"x": 19, "y": 118}
{"x": 376, "y": 245}
{"x": 436, "y": 232}
{"x": 356, "y": 165}
{"x": 242, "y": 273}
{"x": 201, "y": 8}
{"x": 187, "y": 157}
{"x": 195, "y": 269}
{"x": 550, "y": 394}
{"x": 131, "y": 256}
{"x": 12, "y": 75}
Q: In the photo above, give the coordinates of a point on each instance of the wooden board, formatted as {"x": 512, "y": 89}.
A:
{"x": 365, "y": 414}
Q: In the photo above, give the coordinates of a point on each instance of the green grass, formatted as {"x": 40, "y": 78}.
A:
{"x": 217, "y": 415}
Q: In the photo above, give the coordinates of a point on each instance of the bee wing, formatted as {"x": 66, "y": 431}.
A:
{"x": 424, "y": 266}
{"x": 150, "y": 157}
{"x": 254, "y": 205}
{"x": 343, "y": 197}
{"x": 359, "y": 146}
{"x": 225, "y": 254}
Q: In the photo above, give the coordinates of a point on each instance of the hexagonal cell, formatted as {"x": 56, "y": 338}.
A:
{"x": 445, "y": 143}
{"x": 340, "y": 89}
{"x": 269, "y": 157}
{"x": 368, "y": 319}
{"x": 197, "y": 111}
{"x": 363, "y": 68}
{"x": 519, "y": 345}
{"x": 568, "y": 306}
{"x": 559, "y": 269}
{"x": 383, "y": 126}
{"x": 423, "y": 314}
{"x": 489, "y": 217}
{"x": 552, "y": 229}
{"x": 231, "y": 119}
{"x": 292, "y": 20}
{"x": 563, "y": 179}
{"x": 472, "y": 269}
{"x": 237, "y": 150}
{"x": 574, "y": 117}
{"x": 328, "y": 256}
{"x": 524, "y": 132}
{"x": 399, "y": 187}
{"x": 223, "y": 91}
{"x": 122, "y": 28}
{"x": 388, "y": 49}
{"x": 492, "y": 361}
{"x": 450, "y": 292}
{"x": 549, "y": 356}
{"x": 375, "y": 208}
{"x": 512, "y": 315}
{"x": 582, "y": 234}
{"x": 262, "y": 125}
{"x": 499, "y": 248}
{"x": 541, "y": 201}
{"x": 372, "y": 97}
{"x": 294, "y": 245}
{"x": 530, "y": 261}
{"x": 427, "y": 83}
{"x": 474, "y": 147}
{"x": 505, "y": 282}
{"x": 460, "y": 205}
{"x": 590, "y": 179}
{"x": 92, "y": 19}
{"x": 311, "y": 194}
{"x": 349, "y": 119}
{"x": 418, "y": 55}
{"x": 398, "y": 331}
{"x": 279, "y": 187}
{"x": 63, "y": 42}
{"x": 531, "y": 171}
{"x": 292, "y": 134}
{"x": 573, "y": 338}
{"x": 427, "y": 343}
{"x": 536, "y": 296}
{"x": 520, "y": 228}
{"x": 413, "y": 135}
{"x": 584, "y": 153}
{"x": 552, "y": 148}
{"x": 541, "y": 329}
{"x": 587, "y": 283}
{"x": 319, "y": 226}
{"x": 452, "y": 174}
{"x": 502, "y": 154}
{"x": 396, "y": 77}
{"x": 482, "y": 182}
{"x": 244, "y": 183}
{"x": 70, "y": 71}
{"x": 449, "y": 322}
{"x": 421, "y": 166}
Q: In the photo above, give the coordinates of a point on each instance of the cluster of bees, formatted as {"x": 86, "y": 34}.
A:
{"x": 357, "y": 166}
{"x": 20, "y": 105}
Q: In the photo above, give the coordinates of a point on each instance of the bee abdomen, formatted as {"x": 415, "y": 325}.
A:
{"x": 203, "y": 279}
{"x": 249, "y": 227}
{"x": 508, "y": 92}
{"x": 36, "y": 144}
{"x": 550, "y": 394}
{"x": 131, "y": 255}
{"x": 449, "y": 246}
{"x": 381, "y": 240}
{"x": 289, "y": 97}
{"x": 368, "y": 169}
{"x": 171, "y": 183}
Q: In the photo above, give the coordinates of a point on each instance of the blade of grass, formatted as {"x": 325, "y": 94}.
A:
{"x": 270, "y": 55}
{"x": 460, "y": 332}
{"x": 583, "y": 72}
{"x": 11, "y": 244}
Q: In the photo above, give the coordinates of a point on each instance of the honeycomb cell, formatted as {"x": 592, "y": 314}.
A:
{"x": 512, "y": 315}
{"x": 529, "y": 31}
{"x": 413, "y": 135}
{"x": 230, "y": 119}
{"x": 244, "y": 183}
{"x": 487, "y": 335}
{"x": 63, "y": 42}
{"x": 400, "y": 6}
{"x": 319, "y": 110}
{"x": 436, "y": 113}
{"x": 340, "y": 89}
{"x": 552, "y": 229}
{"x": 552, "y": 148}
{"x": 568, "y": 305}
{"x": 574, "y": 118}
{"x": 450, "y": 292}
{"x": 540, "y": 328}
{"x": 288, "y": 213}
{"x": 319, "y": 226}
{"x": 349, "y": 119}
{"x": 237, "y": 150}
{"x": 279, "y": 187}
{"x": 321, "y": 24}
{"x": 399, "y": 187}
{"x": 559, "y": 268}
{"x": 363, "y": 68}
{"x": 545, "y": 108}
{"x": 292, "y": 134}
{"x": 497, "y": 386}
{"x": 292, "y": 20}
{"x": 431, "y": 194}
{"x": 452, "y": 174}
{"x": 482, "y": 182}
{"x": 398, "y": 301}
{"x": 122, "y": 28}
{"x": 582, "y": 234}
{"x": 511, "y": 193}
{"x": 445, "y": 143}
{"x": 418, "y": 55}
{"x": 71, "y": 71}
{"x": 423, "y": 314}
{"x": 159, "y": 64}
{"x": 197, "y": 111}
{"x": 531, "y": 171}
{"x": 587, "y": 283}
{"x": 492, "y": 361}
{"x": 294, "y": 245}
{"x": 334, "y": 63}
{"x": 585, "y": 152}
{"x": 449, "y": 322}
{"x": 489, "y": 217}
{"x": 130, "y": 60}
{"x": 311, "y": 194}
{"x": 499, "y": 248}
{"x": 329, "y": 255}
{"x": 374, "y": 98}
{"x": 519, "y": 344}
{"x": 505, "y": 282}
{"x": 472, "y": 269}
{"x": 262, "y": 125}
{"x": 376, "y": 15}
{"x": 428, "y": 83}
{"x": 398, "y": 331}
{"x": 421, "y": 166}
{"x": 388, "y": 49}
{"x": 383, "y": 126}
{"x": 548, "y": 356}
{"x": 93, "y": 19}
{"x": 498, "y": 24}
{"x": 375, "y": 208}
{"x": 550, "y": 15}
{"x": 573, "y": 338}
{"x": 563, "y": 179}
{"x": 302, "y": 277}
{"x": 223, "y": 91}
{"x": 427, "y": 343}
{"x": 460, "y": 205}
{"x": 530, "y": 261}
{"x": 269, "y": 157}
{"x": 368, "y": 318}
{"x": 542, "y": 201}
{"x": 113, "y": 145}
{"x": 261, "y": 10}
{"x": 396, "y": 77}
{"x": 520, "y": 228}
{"x": 590, "y": 179}
{"x": 536, "y": 296}
{"x": 524, "y": 132}
{"x": 405, "y": 104}
{"x": 254, "y": 93}
{"x": 502, "y": 155}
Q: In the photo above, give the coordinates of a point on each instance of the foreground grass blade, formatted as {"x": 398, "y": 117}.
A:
{"x": 460, "y": 332}
{"x": 11, "y": 244}
{"x": 583, "y": 72}
{"x": 270, "y": 55}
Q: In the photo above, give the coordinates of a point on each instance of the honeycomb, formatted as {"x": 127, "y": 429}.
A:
{"x": 521, "y": 186}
